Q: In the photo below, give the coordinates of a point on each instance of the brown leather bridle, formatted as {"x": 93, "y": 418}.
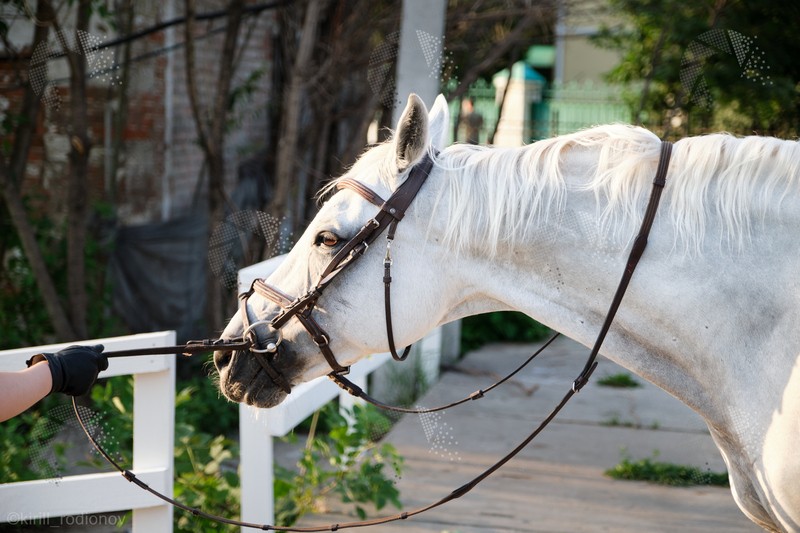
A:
{"x": 391, "y": 212}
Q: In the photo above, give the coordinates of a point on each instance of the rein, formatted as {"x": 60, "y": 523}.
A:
{"x": 188, "y": 349}
{"x": 302, "y": 307}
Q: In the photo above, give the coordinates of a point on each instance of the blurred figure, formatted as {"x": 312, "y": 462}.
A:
{"x": 473, "y": 121}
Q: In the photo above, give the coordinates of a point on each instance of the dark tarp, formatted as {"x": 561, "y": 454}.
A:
{"x": 158, "y": 270}
{"x": 158, "y": 274}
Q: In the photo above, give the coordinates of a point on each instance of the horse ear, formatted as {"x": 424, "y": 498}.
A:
{"x": 439, "y": 120}
{"x": 411, "y": 137}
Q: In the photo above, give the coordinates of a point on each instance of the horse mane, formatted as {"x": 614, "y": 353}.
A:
{"x": 499, "y": 195}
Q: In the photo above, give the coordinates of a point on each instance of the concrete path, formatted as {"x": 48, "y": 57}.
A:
{"x": 556, "y": 484}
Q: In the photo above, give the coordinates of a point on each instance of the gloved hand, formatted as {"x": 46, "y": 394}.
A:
{"x": 74, "y": 369}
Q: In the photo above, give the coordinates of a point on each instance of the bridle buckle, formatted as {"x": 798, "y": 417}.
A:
{"x": 322, "y": 341}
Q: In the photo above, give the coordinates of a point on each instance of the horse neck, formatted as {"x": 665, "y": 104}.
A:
{"x": 565, "y": 273}
{"x": 565, "y": 267}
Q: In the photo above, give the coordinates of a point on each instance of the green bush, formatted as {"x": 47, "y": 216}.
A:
{"x": 648, "y": 469}
{"x": 206, "y": 478}
{"x": 347, "y": 461}
{"x": 24, "y": 434}
{"x": 620, "y": 381}
{"x": 23, "y": 317}
{"x": 208, "y": 411}
{"x": 501, "y": 326}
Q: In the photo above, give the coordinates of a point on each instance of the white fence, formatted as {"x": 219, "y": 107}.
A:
{"x": 257, "y": 427}
{"x": 42, "y": 501}
{"x": 153, "y": 435}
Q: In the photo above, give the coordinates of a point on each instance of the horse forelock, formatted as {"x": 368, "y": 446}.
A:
{"x": 376, "y": 167}
{"x": 497, "y": 196}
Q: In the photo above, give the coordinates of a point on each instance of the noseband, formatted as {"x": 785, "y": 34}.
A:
{"x": 391, "y": 212}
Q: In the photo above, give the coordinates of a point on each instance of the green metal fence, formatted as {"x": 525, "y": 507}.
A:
{"x": 564, "y": 108}
{"x": 570, "y": 107}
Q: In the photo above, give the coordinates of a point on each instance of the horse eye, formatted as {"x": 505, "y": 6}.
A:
{"x": 326, "y": 238}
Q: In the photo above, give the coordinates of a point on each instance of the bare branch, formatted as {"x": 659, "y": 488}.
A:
{"x": 191, "y": 85}
{"x": 498, "y": 51}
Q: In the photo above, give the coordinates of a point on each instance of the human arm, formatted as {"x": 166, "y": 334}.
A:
{"x": 72, "y": 371}
{"x": 20, "y": 390}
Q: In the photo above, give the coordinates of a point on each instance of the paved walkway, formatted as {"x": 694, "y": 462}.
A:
{"x": 556, "y": 484}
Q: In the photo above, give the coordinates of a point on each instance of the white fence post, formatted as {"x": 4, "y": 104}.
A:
{"x": 154, "y": 440}
{"x": 153, "y": 447}
{"x": 257, "y": 427}
{"x": 255, "y": 468}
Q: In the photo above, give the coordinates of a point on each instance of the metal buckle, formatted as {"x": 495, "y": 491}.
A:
{"x": 326, "y": 340}
{"x": 272, "y": 347}
{"x": 344, "y": 370}
{"x": 387, "y": 258}
{"x": 359, "y": 249}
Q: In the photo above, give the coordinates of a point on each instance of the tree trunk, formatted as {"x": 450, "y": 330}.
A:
{"x": 120, "y": 117}
{"x": 655, "y": 59}
{"x": 211, "y": 135}
{"x": 293, "y": 97}
{"x": 11, "y": 179}
{"x": 33, "y": 254}
{"x": 77, "y": 193}
{"x": 498, "y": 51}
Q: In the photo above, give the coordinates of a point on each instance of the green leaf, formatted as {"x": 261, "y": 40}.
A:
{"x": 117, "y": 403}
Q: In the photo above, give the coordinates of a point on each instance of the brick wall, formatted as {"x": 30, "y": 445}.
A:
{"x": 160, "y": 164}
{"x": 248, "y": 122}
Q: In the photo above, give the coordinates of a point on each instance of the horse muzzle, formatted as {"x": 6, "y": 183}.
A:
{"x": 242, "y": 371}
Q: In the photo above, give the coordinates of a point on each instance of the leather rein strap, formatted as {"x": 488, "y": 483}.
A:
{"x": 633, "y": 259}
{"x": 639, "y": 244}
{"x": 188, "y": 349}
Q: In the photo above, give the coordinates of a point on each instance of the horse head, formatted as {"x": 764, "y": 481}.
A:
{"x": 300, "y": 331}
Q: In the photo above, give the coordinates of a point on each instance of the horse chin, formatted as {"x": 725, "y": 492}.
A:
{"x": 243, "y": 381}
{"x": 264, "y": 399}
{"x": 257, "y": 392}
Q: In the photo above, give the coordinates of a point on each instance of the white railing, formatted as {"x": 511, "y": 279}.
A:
{"x": 257, "y": 427}
{"x": 43, "y": 501}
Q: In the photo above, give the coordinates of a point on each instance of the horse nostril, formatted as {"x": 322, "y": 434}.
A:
{"x": 222, "y": 359}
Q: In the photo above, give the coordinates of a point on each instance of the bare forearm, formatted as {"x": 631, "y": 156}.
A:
{"x": 20, "y": 390}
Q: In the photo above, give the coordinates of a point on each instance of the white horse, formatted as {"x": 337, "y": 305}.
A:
{"x": 712, "y": 315}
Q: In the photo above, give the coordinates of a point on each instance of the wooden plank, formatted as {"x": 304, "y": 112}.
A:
{"x": 557, "y": 482}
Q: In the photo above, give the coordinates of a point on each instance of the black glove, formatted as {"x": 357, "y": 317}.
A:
{"x": 74, "y": 369}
